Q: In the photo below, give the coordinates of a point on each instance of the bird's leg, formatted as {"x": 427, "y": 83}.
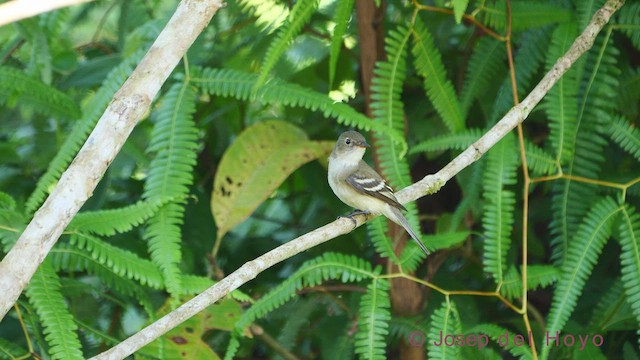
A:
{"x": 354, "y": 213}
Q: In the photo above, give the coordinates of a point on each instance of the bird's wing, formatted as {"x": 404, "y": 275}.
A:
{"x": 367, "y": 181}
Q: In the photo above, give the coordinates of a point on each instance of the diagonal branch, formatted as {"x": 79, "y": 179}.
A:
{"x": 77, "y": 183}
{"x": 426, "y": 186}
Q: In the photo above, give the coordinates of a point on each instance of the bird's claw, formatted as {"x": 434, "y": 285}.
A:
{"x": 354, "y": 213}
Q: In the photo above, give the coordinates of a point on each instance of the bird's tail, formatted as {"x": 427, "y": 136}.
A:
{"x": 399, "y": 219}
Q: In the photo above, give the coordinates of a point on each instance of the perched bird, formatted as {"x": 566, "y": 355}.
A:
{"x": 358, "y": 185}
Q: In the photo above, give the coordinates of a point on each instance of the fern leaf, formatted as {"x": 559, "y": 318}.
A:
{"x": 445, "y": 321}
{"x": 121, "y": 262}
{"x": 456, "y": 141}
{"x": 538, "y": 276}
{"x": 10, "y": 350}
{"x": 377, "y": 229}
{"x": 373, "y": 321}
{"x": 582, "y": 254}
{"x": 470, "y": 180}
{"x": 59, "y": 328}
{"x": 538, "y": 160}
{"x": 80, "y": 130}
{"x": 299, "y": 15}
{"x": 387, "y": 109}
{"x": 630, "y": 257}
{"x": 428, "y": 63}
{"x": 497, "y": 220}
{"x": 345, "y": 268}
{"x": 17, "y": 88}
{"x": 572, "y": 199}
{"x": 174, "y": 138}
{"x": 485, "y": 63}
{"x": 111, "y": 222}
{"x": 628, "y": 20}
{"x": 341, "y": 18}
{"x": 329, "y": 266}
{"x": 236, "y": 84}
{"x": 525, "y": 14}
{"x": 561, "y": 102}
{"x": 69, "y": 258}
{"x": 606, "y": 313}
{"x": 625, "y": 135}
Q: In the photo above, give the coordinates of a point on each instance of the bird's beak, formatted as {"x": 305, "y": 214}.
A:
{"x": 362, "y": 144}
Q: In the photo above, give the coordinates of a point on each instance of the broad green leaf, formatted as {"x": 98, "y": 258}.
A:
{"x": 255, "y": 165}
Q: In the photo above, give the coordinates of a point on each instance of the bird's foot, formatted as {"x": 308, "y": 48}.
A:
{"x": 354, "y": 213}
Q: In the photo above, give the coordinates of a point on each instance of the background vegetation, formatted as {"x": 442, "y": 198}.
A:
{"x": 224, "y": 169}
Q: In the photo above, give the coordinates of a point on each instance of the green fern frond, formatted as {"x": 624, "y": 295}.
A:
{"x": 499, "y": 335}
{"x": 497, "y": 219}
{"x": 539, "y": 161}
{"x": 17, "y": 88}
{"x": 236, "y": 84}
{"x": 613, "y": 300}
{"x": 174, "y": 140}
{"x": 122, "y": 262}
{"x": 625, "y": 135}
{"x": 69, "y": 258}
{"x": 10, "y": 350}
{"x": 299, "y": 15}
{"x": 59, "y": 328}
{"x": 561, "y": 103}
{"x": 538, "y": 276}
{"x": 444, "y": 321}
{"x": 571, "y": 200}
{"x": 628, "y": 21}
{"x": 341, "y": 18}
{"x": 330, "y": 266}
{"x": 377, "y": 229}
{"x": 39, "y": 63}
{"x": 80, "y": 130}
{"x": 529, "y": 57}
{"x": 373, "y": 321}
{"x": 470, "y": 180}
{"x": 456, "y": 141}
{"x": 345, "y": 268}
{"x": 486, "y": 62}
{"x": 582, "y": 254}
{"x": 387, "y": 109}
{"x": 525, "y": 14}
{"x": 630, "y": 257}
{"x": 111, "y": 222}
{"x": 428, "y": 63}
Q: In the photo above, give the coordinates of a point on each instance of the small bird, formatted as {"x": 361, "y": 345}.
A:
{"x": 358, "y": 185}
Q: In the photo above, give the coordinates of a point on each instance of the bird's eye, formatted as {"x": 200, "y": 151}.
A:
{"x": 348, "y": 141}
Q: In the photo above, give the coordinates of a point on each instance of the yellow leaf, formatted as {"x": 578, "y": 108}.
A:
{"x": 255, "y": 165}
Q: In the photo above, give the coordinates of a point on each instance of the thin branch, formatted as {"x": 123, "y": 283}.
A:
{"x": 78, "y": 182}
{"x": 17, "y": 10}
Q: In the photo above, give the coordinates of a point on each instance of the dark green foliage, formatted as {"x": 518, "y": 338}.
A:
{"x": 60, "y": 329}
{"x": 373, "y": 321}
{"x": 142, "y": 244}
